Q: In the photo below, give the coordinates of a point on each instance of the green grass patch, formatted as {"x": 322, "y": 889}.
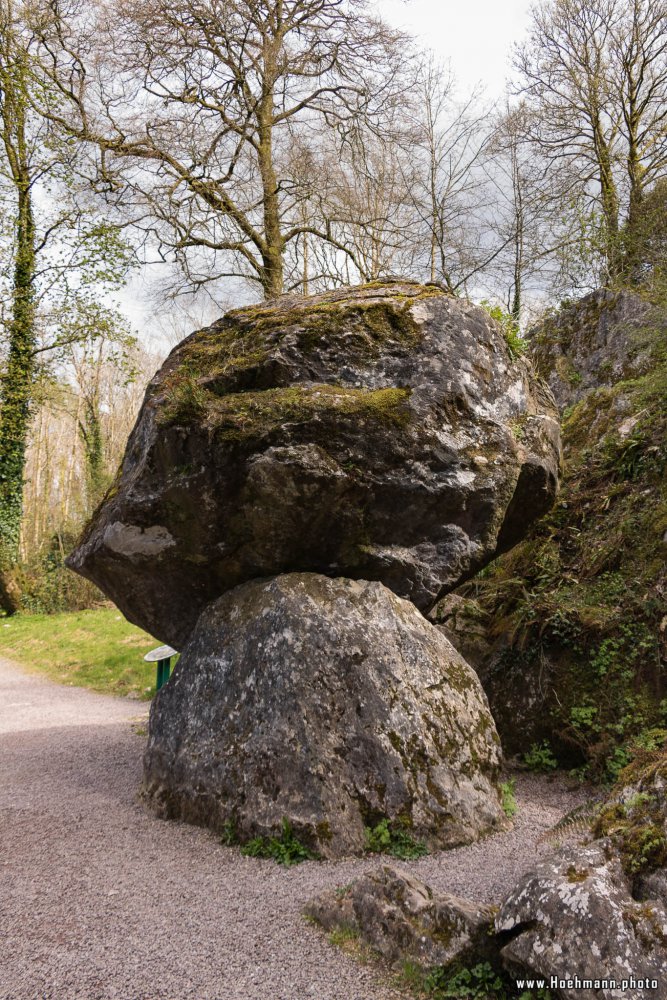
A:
{"x": 96, "y": 649}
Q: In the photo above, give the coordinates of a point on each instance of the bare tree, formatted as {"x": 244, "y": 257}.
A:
{"x": 57, "y": 494}
{"x": 640, "y": 78}
{"x": 530, "y": 225}
{"x": 451, "y": 196}
{"x": 371, "y": 200}
{"x": 594, "y": 75}
{"x": 195, "y": 105}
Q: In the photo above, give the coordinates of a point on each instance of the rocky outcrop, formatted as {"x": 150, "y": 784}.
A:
{"x": 381, "y": 433}
{"x": 330, "y": 703}
{"x": 635, "y": 820}
{"x": 591, "y": 343}
{"x": 398, "y": 916}
{"x": 574, "y": 643}
{"x": 575, "y": 918}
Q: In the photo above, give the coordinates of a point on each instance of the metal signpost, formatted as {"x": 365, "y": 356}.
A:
{"x": 162, "y": 655}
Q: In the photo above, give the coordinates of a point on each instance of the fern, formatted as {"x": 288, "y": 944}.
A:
{"x": 578, "y": 821}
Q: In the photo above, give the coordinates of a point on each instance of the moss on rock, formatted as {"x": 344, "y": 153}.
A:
{"x": 576, "y": 611}
{"x": 245, "y": 415}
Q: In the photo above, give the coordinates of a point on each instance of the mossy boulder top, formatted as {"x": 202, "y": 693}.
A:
{"x": 382, "y": 432}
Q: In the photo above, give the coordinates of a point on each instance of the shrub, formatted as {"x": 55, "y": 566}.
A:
{"x": 479, "y": 982}
{"x": 515, "y": 342}
{"x": 540, "y": 758}
{"x": 383, "y": 839}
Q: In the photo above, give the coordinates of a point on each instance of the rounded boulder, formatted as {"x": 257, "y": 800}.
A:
{"x": 331, "y": 704}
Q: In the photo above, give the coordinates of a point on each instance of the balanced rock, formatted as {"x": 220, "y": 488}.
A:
{"x": 381, "y": 433}
{"x": 401, "y": 918}
{"x": 331, "y": 703}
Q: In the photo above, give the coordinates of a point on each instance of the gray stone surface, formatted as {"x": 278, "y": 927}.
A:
{"x": 591, "y": 343}
{"x": 653, "y": 886}
{"x": 575, "y": 916}
{"x": 380, "y": 433}
{"x": 400, "y": 917}
{"x": 332, "y": 703}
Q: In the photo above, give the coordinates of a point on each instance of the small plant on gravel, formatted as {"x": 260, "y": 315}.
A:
{"x": 286, "y": 849}
{"x": 540, "y": 758}
{"x": 384, "y": 839}
{"x": 508, "y": 797}
{"x": 480, "y": 982}
{"x": 343, "y": 935}
{"x": 229, "y": 836}
{"x": 412, "y": 975}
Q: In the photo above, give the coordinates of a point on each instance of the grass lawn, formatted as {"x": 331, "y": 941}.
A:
{"x": 95, "y": 649}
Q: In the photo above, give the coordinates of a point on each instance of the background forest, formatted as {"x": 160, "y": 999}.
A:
{"x": 242, "y": 150}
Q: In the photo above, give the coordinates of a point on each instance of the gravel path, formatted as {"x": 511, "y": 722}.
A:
{"x": 99, "y": 899}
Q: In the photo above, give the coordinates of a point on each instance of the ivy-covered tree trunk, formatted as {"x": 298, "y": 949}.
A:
{"x": 92, "y": 435}
{"x": 18, "y": 375}
{"x": 16, "y": 387}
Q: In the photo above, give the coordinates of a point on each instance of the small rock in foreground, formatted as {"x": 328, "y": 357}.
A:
{"x": 400, "y": 918}
{"x": 574, "y": 916}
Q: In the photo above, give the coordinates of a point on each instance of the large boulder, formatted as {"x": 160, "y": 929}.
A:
{"x": 331, "y": 703}
{"x": 574, "y": 918}
{"x": 401, "y": 918}
{"x": 382, "y": 433}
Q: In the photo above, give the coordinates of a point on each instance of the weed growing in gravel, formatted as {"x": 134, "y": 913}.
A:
{"x": 286, "y": 849}
{"x": 480, "y": 982}
{"x": 412, "y": 975}
{"x": 229, "y": 836}
{"x": 508, "y": 798}
{"x": 383, "y": 839}
{"x": 342, "y": 935}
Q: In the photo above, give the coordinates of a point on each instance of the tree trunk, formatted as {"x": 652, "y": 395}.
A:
{"x": 272, "y": 251}
{"x": 16, "y": 387}
{"x": 609, "y": 199}
{"x": 92, "y": 436}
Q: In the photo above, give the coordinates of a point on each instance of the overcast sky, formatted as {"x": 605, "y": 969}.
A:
{"x": 476, "y": 36}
